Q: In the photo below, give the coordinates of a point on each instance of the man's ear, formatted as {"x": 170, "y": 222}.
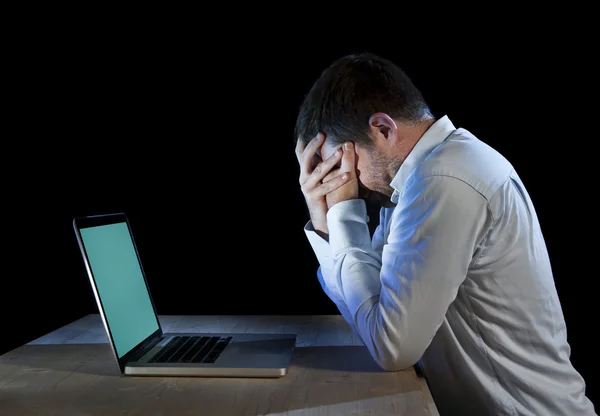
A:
{"x": 382, "y": 126}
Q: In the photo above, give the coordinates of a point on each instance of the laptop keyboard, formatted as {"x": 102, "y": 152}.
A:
{"x": 191, "y": 349}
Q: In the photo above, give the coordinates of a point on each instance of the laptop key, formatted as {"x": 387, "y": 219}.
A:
{"x": 189, "y": 343}
{"x": 194, "y": 350}
{"x": 205, "y": 350}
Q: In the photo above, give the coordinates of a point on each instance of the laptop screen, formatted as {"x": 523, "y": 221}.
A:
{"x": 120, "y": 284}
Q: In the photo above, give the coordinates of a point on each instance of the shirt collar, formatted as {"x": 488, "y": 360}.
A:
{"x": 435, "y": 134}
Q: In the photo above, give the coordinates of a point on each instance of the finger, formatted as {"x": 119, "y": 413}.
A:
{"x": 331, "y": 185}
{"x": 308, "y": 153}
{"x": 323, "y": 169}
{"x": 349, "y": 159}
{"x": 332, "y": 174}
{"x": 316, "y": 159}
{"x": 300, "y": 145}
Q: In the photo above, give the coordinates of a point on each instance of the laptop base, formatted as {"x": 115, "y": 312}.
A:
{"x": 246, "y": 355}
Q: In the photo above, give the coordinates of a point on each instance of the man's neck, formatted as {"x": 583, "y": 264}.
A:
{"x": 410, "y": 134}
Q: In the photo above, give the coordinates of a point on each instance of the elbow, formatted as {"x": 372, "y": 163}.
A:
{"x": 397, "y": 364}
{"x": 394, "y": 347}
{"x": 394, "y": 360}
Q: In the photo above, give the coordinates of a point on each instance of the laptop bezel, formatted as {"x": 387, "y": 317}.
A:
{"x": 80, "y": 223}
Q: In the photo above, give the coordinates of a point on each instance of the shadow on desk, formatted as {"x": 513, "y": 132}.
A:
{"x": 71, "y": 378}
{"x": 336, "y": 358}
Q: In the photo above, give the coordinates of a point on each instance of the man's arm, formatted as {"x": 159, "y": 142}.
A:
{"x": 397, "y": 300}
{"x": 325, "y": 273}
{"x": 324, "y": 255}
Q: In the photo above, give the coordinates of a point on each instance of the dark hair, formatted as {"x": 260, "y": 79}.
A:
{"x": 352, "y": 89}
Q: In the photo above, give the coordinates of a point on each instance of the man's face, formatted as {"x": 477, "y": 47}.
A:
{"x": 372, "y": 172}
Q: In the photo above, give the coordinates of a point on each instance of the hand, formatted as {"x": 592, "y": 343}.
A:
{"x": 313, "y": 189}
{"x": 349, "y": 190}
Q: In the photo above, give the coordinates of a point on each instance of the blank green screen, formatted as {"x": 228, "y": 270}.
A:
{"x": 120, "y": 284}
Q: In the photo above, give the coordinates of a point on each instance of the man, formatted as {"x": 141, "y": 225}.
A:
{"x": 456, "y": 274}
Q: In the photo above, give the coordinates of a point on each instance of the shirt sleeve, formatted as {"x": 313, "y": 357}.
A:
{"x": 325, "y": 274}
{"x": 324, "y": 255}
{"x": 398, "y": 298}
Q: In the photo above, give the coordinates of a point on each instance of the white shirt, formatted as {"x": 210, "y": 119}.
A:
{"x": 457, "y": 275}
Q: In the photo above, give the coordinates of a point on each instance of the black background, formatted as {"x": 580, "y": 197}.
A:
{"x": 193, "y": 139}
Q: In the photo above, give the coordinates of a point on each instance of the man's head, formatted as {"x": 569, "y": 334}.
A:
{"x": 370, "y": 101}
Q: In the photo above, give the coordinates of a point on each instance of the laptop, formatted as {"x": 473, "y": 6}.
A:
{"x": 140, "y": 346}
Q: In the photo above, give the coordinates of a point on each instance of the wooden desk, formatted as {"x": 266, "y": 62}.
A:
{"x": 71, "y": 371}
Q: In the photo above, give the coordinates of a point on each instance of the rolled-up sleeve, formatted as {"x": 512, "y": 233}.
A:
{"x": 397, "y": 298}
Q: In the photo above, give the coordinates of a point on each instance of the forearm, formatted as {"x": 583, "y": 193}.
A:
{"x": 334, "y": 297}
{"x": 379, "y": 312}
{"x": 357, "y": 269}
{"x": 326, "y": 275}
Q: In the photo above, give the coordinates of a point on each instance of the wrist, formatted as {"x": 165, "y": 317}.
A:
{"x": 320, "y": 229}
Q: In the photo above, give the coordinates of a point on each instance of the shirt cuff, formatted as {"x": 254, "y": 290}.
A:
{"x": 347, "y": 224}
{"x": 319, "y": 245}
